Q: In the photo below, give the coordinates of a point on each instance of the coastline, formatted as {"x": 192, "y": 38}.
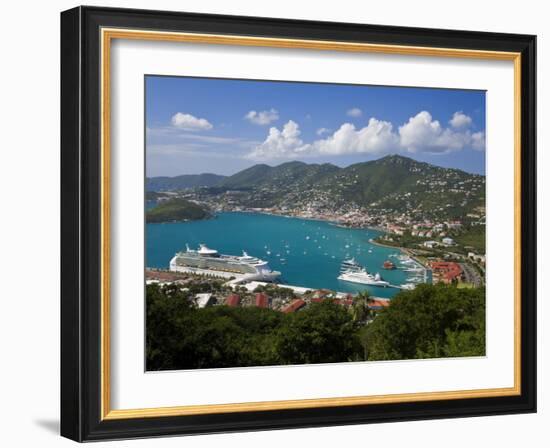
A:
{"x": 388, "y": 246}
{"x": 403, "y": 250}
{"x": 333, "y": 222}
{"x": 306, "y": 218}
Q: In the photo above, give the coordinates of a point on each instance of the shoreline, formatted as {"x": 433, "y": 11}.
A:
{"x": 307, "y": 218}
{"x": 299, "y": 290}
{"x": 334, "y": 222}
{"x": 399, "y": 248}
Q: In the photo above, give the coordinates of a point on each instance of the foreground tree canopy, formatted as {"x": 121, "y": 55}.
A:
{"x": 430, "y": 321}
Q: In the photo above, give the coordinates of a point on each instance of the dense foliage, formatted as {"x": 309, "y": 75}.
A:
{"x": 431, "y": 321}
{"x": 180, "y": 336}
{"x": 176, "y": 209}
{"x": 472, "y": 236}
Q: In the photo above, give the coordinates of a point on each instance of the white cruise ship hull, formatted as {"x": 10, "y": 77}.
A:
{"x": 262, "y": 274}
{"x": 362, "y": 279}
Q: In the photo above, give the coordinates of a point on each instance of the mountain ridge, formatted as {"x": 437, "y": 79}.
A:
{"x": 182, "y": 181}
{"x": 393, "y": 184}
{"x": 394, "y": 158}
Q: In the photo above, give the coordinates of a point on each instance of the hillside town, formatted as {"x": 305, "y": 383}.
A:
{"x": 208, "y": 290}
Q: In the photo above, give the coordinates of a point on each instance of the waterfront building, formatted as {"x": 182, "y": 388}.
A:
{"x": 294, "y": 306}
{"x": 233, "y": 300}
{"x": 445, "y": 271}
{"x": 262, "y": 300}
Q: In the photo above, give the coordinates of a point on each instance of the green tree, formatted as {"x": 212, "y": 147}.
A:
{"x": 360, "y": 310}
{"x": 429, "y": 322}
{"x": 322, "y": 333}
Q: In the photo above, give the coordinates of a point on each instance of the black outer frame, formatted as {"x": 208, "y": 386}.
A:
{"x": 80, "y": 224}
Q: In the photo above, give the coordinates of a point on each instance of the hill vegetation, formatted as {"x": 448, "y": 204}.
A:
{"x": 429, "y": 322}
{"x": 155, "y": 195}
{"x": 185, "y": 181}
{"x": 297, "y": 175}
{"x": 390, "y": 185}
{"x": 176, "y": 209}
{"x": 472, "y": 237}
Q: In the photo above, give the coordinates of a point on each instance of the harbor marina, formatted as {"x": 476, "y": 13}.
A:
{"x": 312, "y": 251}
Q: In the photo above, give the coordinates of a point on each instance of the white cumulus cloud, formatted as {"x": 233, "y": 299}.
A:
{"x": 375, "y": 138}
{"x": 189, "y": 122}
{"x": 460, "y": 120}
{"x": 322, "y": 131}
{"x": 478, "y": 141}
{"x": 354, "y": 112}
{"x": 262, "y": 118}
{"x": 280, "y": 144}
{"x": 421, "y": 133}
{"x": 424, "y": 134}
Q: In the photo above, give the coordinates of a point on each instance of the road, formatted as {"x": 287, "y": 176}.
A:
{"x": 471, "y": 275}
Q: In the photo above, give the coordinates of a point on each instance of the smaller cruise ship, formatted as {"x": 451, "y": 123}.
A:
{"x": 353, "y": 272}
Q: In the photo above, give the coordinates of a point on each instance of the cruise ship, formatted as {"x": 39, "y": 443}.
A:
{"x": 353, "y": 272}
{"x": 209, "y": 262}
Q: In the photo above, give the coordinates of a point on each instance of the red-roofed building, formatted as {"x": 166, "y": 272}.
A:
{"x": 232, "y": 300}
{"x": 293, "y": 306}
{"x": 262, "y": 301}
{"x": 378, "y": 304}
{"x": 446, "y": 271}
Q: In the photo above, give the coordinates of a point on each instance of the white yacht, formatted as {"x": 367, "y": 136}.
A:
{"x": 353, "y": 272}
{"x": 209, "y": 262}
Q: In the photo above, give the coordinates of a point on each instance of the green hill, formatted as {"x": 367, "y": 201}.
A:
{"x": 248, "y": 178}
{"x": 280, "y": 176}
{"x": 397, "y": 183}
{"x": 177, "y": 210}
{"x": 390, "y": 184}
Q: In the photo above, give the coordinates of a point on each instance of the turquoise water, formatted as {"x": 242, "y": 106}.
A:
{"x": 308, "y": 253}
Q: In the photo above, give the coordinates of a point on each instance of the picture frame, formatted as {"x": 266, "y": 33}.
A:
{"x": 86, "y": 176}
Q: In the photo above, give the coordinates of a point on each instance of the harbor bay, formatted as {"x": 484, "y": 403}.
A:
{"x": 308, "y": 253}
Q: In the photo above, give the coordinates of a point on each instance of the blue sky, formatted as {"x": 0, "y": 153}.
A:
{"x": 197, "y": 125}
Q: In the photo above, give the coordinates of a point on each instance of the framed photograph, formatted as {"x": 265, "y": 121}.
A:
{"x": 277, "y": 224}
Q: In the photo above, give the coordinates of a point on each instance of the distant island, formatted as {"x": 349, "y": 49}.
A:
{"x": 177, "y": 209}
